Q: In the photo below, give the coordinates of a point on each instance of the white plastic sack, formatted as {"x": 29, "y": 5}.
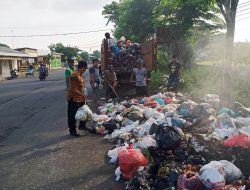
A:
{"x": 222, "y": 133}
{"x": 146, "y": 142}
{"x": 144, "y": 129}
{"x": 212, "y": 175}
{"x": 84, "y": 114}
{"x": 121, "y": 108}
{"x": 113, "y": 154}
{"x": 126, "y": 129}
{"x": 148, "y": 113}
{"x": 231, "y": 171}
{"x": 245, "y": 130}
{"x": 242, "y": 122}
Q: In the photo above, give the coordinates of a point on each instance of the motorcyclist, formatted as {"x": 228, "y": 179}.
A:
{"x": 43, "y": 71}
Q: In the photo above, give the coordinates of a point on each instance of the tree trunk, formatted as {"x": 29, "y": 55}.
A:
{"x": 227, "y": 72}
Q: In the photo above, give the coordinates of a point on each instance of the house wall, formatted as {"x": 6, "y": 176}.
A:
{"x": 5, "y": 68}
{"x": 14, "y": 64}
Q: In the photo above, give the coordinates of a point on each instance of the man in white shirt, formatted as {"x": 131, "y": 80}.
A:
{"x": 140, "y": 74}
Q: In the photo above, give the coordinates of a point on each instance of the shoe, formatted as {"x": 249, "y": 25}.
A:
{"x": 74, "y": 134}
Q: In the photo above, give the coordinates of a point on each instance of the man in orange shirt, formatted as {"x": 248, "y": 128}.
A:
{"x": 76, "y": 98}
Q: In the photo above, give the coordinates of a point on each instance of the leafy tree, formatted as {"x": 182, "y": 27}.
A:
{"x": 132, "y": 18}
{"x": 68, "y": 52}
{"x": 96, "y": 54}
{"x": 84, "y": 55}
{"x": 4, "y": 45}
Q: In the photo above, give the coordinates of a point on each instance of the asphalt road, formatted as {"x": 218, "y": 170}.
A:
{"x": 36, "y": 151}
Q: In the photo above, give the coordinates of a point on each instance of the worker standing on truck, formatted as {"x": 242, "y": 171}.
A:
{"x": 175, "y": 75}
{"x": 76, "y": 97}
{"x": 140, "y": 74}
{"x": 95, "y": 80}
{"x": 111, "y": 42}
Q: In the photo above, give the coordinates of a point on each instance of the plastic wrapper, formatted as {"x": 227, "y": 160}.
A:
{"x": 224, "y": 121}
{"x": 189, "y": 105}
{"x": 156, "y": 96}
{"x": 100, "y": 118}
{"x": 230, "y": 112}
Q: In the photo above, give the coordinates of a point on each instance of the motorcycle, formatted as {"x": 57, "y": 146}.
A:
{"x": 13, "y": 74}
{"x": 42, "y": 75}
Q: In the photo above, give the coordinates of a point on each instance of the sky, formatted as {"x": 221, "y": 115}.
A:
{"x": 28, "y": 17}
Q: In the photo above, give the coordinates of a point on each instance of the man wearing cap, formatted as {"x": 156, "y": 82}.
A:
{"x": 76, "y": 98}
{"x": 69, "y": 70}
{"x": 140, "y": 74}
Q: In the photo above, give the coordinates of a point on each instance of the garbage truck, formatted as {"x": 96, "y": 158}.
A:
{"x": 125, "y": 61}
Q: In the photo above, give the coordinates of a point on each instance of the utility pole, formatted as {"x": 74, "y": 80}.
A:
{"x": 12, "y": 39}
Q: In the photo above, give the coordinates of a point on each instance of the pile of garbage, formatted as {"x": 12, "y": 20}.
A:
{"x": 167, "y": 141}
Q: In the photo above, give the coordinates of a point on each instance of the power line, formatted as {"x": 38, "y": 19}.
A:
{"x": 57, "y": 34}
{"x": 243, "y": 4}
{"x": 242, "y": 14}
{"x": 242, "y": 10}
{"x": 243, "y": 19}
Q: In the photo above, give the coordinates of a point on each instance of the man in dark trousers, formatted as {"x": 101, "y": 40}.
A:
{"x": 95, "y": 80}
{"x": 76, "y": 98}
{"x": 175, "y": 75}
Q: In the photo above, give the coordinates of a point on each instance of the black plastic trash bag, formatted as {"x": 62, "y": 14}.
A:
{"x": 110, "y": 126}
{"x": 168, "y": 137}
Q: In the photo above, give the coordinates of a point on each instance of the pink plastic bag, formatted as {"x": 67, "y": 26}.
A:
{"x": 241, "y": 140}
{"x": 129, "y": 161}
